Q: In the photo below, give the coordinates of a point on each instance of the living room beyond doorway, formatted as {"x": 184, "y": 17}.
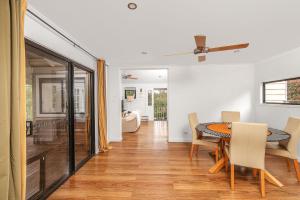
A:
{"x": 144, "y": 99}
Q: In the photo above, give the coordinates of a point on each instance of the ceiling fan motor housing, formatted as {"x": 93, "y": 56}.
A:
{"x": 200, "y": 50}
{"x": 197, "y": 51}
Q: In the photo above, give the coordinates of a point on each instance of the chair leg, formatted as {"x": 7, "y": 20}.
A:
{"x": 254, "y": 172}
{"x": 262, "y": 183}
{"x": 196, "y": 150}
{"x": 192, "y": 151}
{"x": 217, "y": 154}
{"x": 288, "y": 164}
{"x": 296, "y": 165}
{"x": 226, "y": 162}
{"x": 232, "y": 176}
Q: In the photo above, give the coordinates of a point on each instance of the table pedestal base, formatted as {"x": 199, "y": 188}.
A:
{"x": 221, "y": 163}
{"x": 218, "y": 166}
{"x": 270, "y": 178}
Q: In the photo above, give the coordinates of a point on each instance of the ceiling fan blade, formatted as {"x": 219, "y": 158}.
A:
{"x": 180, "y": 54}
{"x": 201, "y": 58}
{"x": 200, "y": 41}
{"x": 130, "y": 76}
{"x": 229, "y": 47}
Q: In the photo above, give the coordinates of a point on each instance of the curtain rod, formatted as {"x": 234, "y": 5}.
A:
{"x": 61, "y": 34}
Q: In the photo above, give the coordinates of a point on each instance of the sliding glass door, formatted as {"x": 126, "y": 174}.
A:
{"x": 59, "y": 121}
{"x": 82, "y": 114}
{"x": 47, "y": 121}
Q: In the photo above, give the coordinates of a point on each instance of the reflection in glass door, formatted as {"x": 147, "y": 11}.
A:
{"x": 47, "y": 132}
{"x": 82, "y": 115}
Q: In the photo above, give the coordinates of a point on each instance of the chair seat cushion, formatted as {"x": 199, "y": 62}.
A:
{"x": 274, "y": 148}
{"x": 207, "y": 141}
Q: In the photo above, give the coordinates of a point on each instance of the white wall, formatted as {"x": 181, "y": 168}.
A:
{"x": 141, "y": 102}
{"x": 205, "y": 89}
{"x": 284, "y": 66}
{"x": 42, "y": 35}
{"x": 113, "y": 99}
{"x": 208, "y": 90}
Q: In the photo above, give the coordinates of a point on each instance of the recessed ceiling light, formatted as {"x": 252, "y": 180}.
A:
{"x": 132, "y": 6}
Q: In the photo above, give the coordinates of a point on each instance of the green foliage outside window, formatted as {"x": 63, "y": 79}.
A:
{"x": 293, "y": 91}
{"x": 160, "y": 104}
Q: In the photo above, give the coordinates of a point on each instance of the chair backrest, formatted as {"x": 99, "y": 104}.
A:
{"x": 230, "y": 116}
{"x": 292, "y": 127}
{"x": 248, "y": 144}
{"x": 193, "y": 121}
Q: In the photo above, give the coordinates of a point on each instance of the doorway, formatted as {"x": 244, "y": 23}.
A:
{"x": 59, "y": 119}
{"x": 144, "y": 101}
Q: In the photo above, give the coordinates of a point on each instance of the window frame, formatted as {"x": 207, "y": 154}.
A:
{"x": 280, "y": 80}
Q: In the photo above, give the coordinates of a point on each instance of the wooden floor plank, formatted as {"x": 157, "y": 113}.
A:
{"x": 145, "y": 166}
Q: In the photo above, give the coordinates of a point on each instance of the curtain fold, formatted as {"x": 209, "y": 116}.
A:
{"x": 102, "y": 126}
{"x": 12, "y": 101}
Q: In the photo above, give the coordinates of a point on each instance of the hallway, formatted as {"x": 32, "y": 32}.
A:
{"x": 145, "y": 166}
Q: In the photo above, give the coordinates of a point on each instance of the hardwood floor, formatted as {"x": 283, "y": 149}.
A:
{"x": 145, "y": 166}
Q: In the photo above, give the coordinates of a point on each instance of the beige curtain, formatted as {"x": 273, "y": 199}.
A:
{"x": 102, "y": 129}
{"x": 12, "y": 100}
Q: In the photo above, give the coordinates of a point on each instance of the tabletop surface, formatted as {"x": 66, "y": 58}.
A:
{"x": 221, "y": 130}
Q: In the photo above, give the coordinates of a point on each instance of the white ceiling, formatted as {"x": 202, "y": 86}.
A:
{"x": 112, "y": 31}
{"x": 147, "y": 76}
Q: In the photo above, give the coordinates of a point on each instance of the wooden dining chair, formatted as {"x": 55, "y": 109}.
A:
{"x": 288, "y": 150}
{"x": 247, "y": 149}
{"x": 202, "y": 140}
{"x": 230, "y": 116}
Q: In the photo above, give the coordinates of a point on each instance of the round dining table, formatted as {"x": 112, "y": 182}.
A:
{"x": 223, "y": 131}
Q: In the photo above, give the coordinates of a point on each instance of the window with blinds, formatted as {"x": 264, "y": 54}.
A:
{"x": 282, "y": 92}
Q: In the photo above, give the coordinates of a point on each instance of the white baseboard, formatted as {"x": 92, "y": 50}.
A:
{"x": 117, "y": 139}
{"x": 179, "y": 140}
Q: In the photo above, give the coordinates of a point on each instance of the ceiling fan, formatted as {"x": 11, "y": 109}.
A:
{"x": 129, "y": 76}
{"x": 202, "y": 49}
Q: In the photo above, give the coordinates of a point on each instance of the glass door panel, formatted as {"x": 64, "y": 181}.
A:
{"x": 82, "y": 115}
{"x": 47, "y": 134}
{"x": 160, "y": 104}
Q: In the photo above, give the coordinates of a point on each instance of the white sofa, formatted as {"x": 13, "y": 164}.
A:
{"x": 131, "y": 122}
